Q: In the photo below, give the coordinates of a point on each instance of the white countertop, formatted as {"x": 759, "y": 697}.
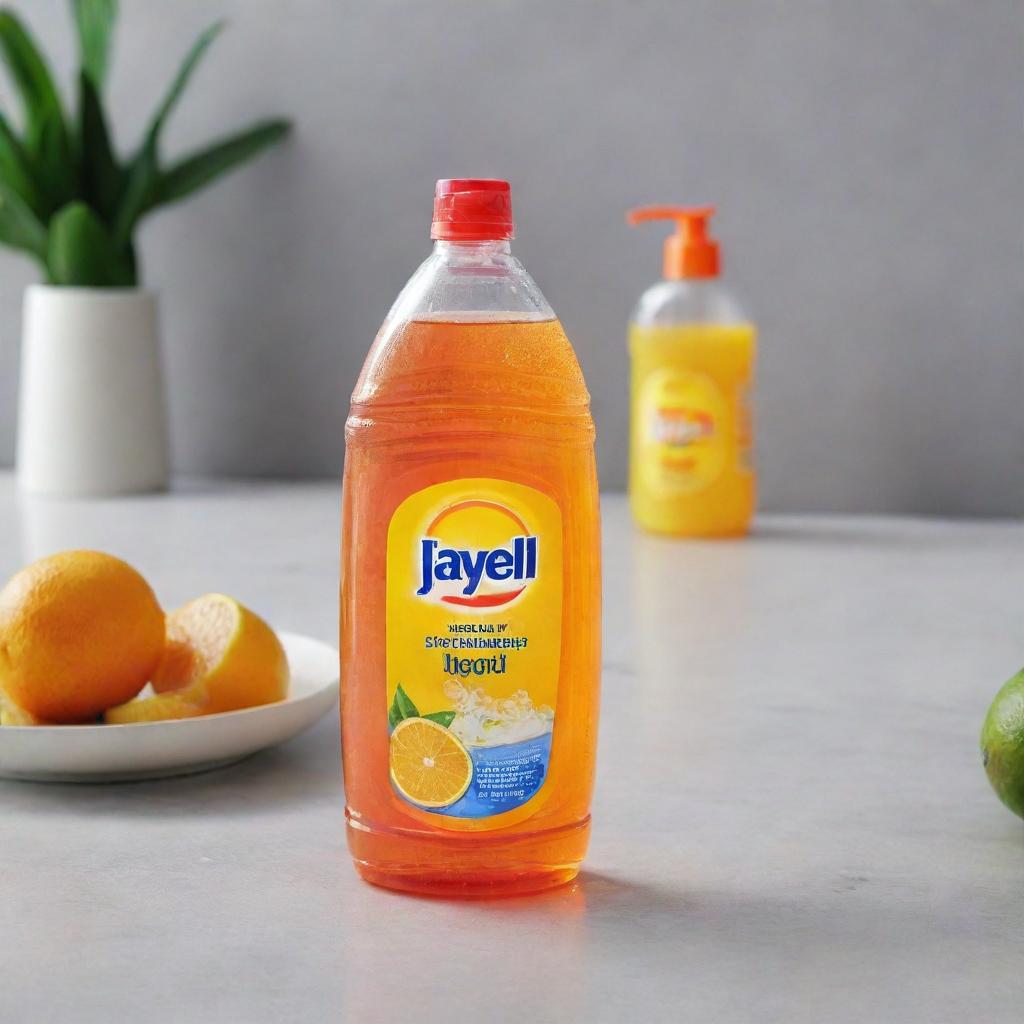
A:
{"x": 791, "y": 824}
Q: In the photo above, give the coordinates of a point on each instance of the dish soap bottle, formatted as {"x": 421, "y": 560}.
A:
{"x": 470, "y": 602}
{"x": 692, "y": 352}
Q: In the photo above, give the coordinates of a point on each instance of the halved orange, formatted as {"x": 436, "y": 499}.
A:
{"x": 220, "y": 656}
{"x": 161, "y": 708}
{"x": 429, "y": 766}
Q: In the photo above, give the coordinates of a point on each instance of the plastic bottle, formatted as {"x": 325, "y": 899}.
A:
{"x": 692, "y": 351}
{"x": 470, "y": 621}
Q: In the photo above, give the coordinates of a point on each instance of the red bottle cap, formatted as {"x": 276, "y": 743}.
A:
{"x": 472, "y": 210}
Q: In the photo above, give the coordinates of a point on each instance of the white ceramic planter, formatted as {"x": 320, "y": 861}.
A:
{"x": 91, "y": 417}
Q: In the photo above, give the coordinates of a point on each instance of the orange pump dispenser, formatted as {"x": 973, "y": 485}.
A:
{"x": 689, "y": 252}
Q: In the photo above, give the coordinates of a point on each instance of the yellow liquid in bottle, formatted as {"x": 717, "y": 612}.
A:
{"x": 690, "y": 434}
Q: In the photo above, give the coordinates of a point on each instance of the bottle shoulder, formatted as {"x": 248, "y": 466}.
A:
{"x": 483, "y": 362}
{"x": 697, "y": 300}
{"x": 470, "y": 345}
{"x": 483, "y": 281}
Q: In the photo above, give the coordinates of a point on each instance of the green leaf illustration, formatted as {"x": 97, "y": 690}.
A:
{"x": 444, "y": 718}
{"x": 401, "y": 707}
{"x": 405, "y": 704}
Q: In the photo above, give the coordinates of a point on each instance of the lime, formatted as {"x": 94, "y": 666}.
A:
{"x": 1002, "y": 744}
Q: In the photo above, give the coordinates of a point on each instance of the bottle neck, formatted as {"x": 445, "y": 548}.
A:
{"x": 477, "y": 253}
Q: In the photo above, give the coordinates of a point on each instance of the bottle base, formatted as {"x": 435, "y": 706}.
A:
{"x": 458, "y": 885}
{"x": 455, "y": 866}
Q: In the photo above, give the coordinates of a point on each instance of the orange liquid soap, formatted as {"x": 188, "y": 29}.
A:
{"x": 470, "y": 624}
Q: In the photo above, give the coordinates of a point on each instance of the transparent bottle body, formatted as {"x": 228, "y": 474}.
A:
{"x": 692, "y": 351}
{"x": 470, "y": 376}
{"x": 691, "y": 301}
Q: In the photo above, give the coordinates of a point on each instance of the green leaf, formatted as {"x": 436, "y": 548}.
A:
{"x": 143, "y": 175}
{"x": 31, "y": 76}
{"x": 188, "y": 65}
{"x": 137, "y": 196}
{"x": 81, "y": 251}
{"x": 46, "y": 142}
{"x": 394, "y": 715}
{"x": 94, "y": 20}
{"x": 405, "y": 704}
{"x": 55, "y": 165}
{"x": 101, "y": 177}
{"x": 444, "y": 718}
{"x": 20, "y": 228}
{"x": 15, "y": 168}
{"x": 401, "y": 707}
{"x": 206, "y": 165}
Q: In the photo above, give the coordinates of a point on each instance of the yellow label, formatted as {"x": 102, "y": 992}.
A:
{"x": 684, "y": 445}
{"x": 474, "y": 611}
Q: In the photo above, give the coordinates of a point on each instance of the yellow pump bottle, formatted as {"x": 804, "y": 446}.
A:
{"x": 692, "y": 352}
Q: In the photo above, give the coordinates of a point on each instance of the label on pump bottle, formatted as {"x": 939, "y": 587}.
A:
{"x": 474, "y": 611}
{"x": 684, "y": 445}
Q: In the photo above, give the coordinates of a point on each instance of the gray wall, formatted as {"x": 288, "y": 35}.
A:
{"x": 866, "y": 158}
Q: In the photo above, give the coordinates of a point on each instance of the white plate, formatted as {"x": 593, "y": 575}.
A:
{"x": 154, "y": 750}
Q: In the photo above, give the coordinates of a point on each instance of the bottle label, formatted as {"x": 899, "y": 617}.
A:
{"x": 474, "y": 612}
{"x": 683, "y": 416}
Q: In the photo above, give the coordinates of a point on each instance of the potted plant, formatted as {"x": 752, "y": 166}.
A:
{"x": 91, "y": 411}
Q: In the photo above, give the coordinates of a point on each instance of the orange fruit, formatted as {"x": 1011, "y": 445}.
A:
{"x": 160, "y": 708}
{"x": 220, "y": 656}
{"x": 79, "y": 631}
{"x": 428, "y": 764}
{"x": 11, "y": 714}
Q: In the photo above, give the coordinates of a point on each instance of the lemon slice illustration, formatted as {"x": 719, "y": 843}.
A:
{"x": 429, "y": 766}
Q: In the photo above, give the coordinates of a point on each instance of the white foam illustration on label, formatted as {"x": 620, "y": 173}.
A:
{"x": 484, "y": 721}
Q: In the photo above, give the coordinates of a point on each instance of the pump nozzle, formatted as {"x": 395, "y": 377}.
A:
{"x": 689, "y": 252}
